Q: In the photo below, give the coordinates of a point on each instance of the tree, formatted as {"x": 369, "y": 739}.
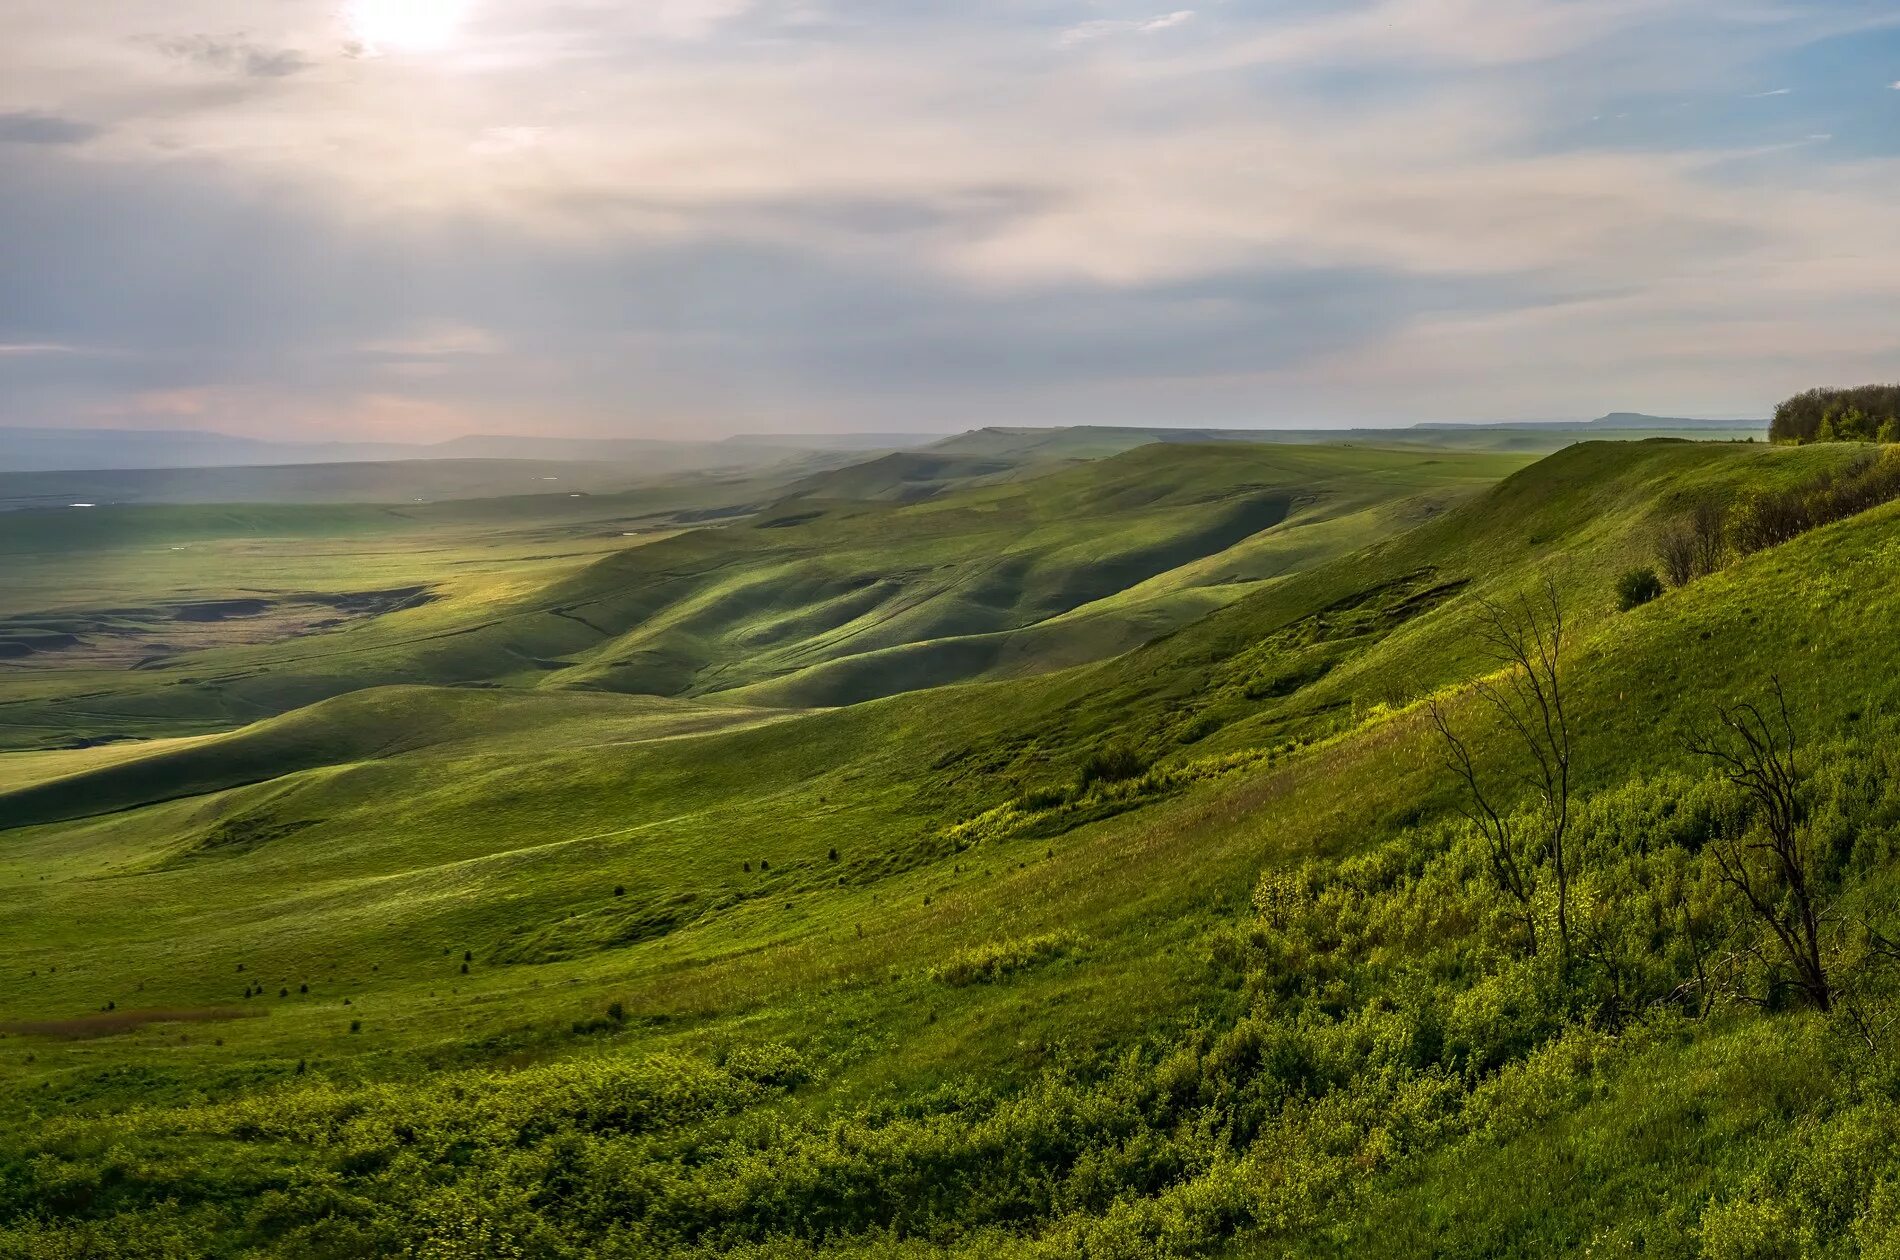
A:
{"x": 1889, "y": 431}
{"x": 1770, "y": 865}
{"x": 1675, "y": 552}
{"x": 1708, "y": 525}
{"x": 1528, "y": 641}
{"x": 1692, "y": 545}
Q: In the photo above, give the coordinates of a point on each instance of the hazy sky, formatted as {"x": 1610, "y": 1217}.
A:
{"x": 415, "y": 218}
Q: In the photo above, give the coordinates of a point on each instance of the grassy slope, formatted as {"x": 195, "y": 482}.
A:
{"x": 373, "y": 874}
{"x": 885, "y": 776}
{"x": 842, "y": 600}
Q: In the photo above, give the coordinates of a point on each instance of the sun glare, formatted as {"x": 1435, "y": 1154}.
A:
{"x": 407, "y": 25}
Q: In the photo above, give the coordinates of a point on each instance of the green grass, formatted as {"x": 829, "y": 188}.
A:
{"x": 805, "y": 604}
{"x": 1028, "y": 1011}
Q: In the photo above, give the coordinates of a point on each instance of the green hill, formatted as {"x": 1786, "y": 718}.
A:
{"x": 818, "y": 602}
{"x": 1184, "y": 951}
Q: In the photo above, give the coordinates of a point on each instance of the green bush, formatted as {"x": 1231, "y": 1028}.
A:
{"x": 1767, "y": 518}
{"x": 1637, "y": 586}
{"x": 1112, "y": 764}
{"x": 997, "y": 959}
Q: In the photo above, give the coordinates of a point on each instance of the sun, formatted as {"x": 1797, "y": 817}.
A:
{"x": 406, "y": 25}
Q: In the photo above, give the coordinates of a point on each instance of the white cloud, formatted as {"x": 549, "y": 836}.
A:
{"x": 26, "y": 350}
{"x": 1103, "y": 28}
{"x": 1756, "y": 96}
{"x": 438, "y": 340}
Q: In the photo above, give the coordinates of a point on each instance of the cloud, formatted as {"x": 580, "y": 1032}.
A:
{"x": 35, "y": 350}
{"x": 435, "y": 340}
{"x": 1085, "y": 32}
{"x": 235, "y": 55}
{"x": 1441, "y": 32}
{"x": 738, "y": 214}
{"x": 46, "y": 129}
{"x": 1756, "y": 96}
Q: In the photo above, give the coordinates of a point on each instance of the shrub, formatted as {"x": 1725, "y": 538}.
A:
{"x": 1112, "y": 764}
{"x": 1675, "y": 552}
{"x": 1691, "y": 545}
{"x": 1637, "y": 586}
{"x": 983, "y": 964}
{"x": 1041, "y": 798}
{"x": 1767, "y": 518}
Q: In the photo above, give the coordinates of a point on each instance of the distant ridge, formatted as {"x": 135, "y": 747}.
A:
{"x": 99, "y": 450}
{"x": 1614, "y": 420}
{"x": 104, "y": 450}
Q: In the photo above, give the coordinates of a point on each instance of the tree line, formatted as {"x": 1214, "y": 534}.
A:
{"x": 1865, "y": 413}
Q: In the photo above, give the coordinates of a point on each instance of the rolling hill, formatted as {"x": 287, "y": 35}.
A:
{"x": 805, "y": 603}
{"x": 1185, "y": 950}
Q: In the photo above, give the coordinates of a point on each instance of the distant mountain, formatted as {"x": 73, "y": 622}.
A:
{"x": 34, "y": 450}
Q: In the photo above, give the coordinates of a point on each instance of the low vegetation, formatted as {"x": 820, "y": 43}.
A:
{"x": 1696, "y": 543}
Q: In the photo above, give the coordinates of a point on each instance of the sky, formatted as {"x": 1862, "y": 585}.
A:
{"x": 412, "y": 219}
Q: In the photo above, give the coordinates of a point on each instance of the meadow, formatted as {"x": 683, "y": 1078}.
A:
{"x": 1007, "y": 855}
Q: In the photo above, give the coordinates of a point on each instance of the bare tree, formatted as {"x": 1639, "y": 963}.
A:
{"x": 1691, "y": 545}
{"x": 1708, "y": 528}
{"x": 1676, "y": 552}
{"x": 1510, "y": 864}
{"x": 1528, "y": 641}
{"x": 1770, "y": 865}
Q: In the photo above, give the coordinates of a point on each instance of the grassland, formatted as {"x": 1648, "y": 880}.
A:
{"x": 731, "y": 958}
{"x": 804, "y": 603}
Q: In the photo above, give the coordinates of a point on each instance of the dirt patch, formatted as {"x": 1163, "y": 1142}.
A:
{"x": 220, "y": 610}
{"x": 376, "y": 603}
{"x": 150, "y": 638}
{"x": 116, "y": 1023}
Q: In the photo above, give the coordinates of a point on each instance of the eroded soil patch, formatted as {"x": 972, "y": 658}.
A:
{"x": 115, "y": 1023}
{"x": 146, "y": 638}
